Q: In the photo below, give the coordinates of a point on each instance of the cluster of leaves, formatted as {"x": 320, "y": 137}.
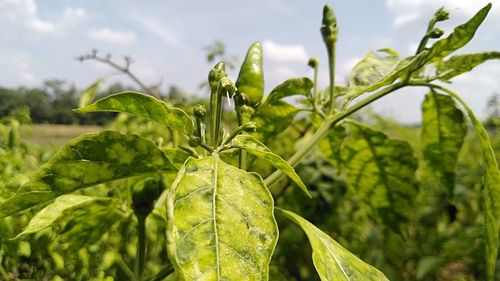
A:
{"x": 201, "y": 203}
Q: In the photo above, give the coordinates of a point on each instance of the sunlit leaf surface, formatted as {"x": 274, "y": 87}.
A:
{"x": 381, "y": 172}
{"x": 443, "y": 133}
{"x": 221, "y": 223}
{"x": 332, "y": 261}
{"x": 143, "y": 106}
{"x": 254, "y": 147}
{"x": 89, "y": 160}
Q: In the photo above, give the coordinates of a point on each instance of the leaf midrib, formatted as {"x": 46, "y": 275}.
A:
{"x": 214, "y": 212}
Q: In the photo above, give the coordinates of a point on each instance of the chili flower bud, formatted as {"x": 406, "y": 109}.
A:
{"x": 250, "y": 127}
{"x": 216, "y": 74}
{"x": 441, "y": 15}
{"x": 313, "y": 62}
{"x": 329, "y": 28}
{"x": 194, "y": 141}
{"x": 199, "y": 111}
{"x": 435, "y": 33}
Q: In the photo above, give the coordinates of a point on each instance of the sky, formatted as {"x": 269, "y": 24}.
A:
{"x": 40, "y": 40}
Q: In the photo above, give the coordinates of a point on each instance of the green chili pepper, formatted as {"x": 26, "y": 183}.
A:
{"x": 250, "y": 82}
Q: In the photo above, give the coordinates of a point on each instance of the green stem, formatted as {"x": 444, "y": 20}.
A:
{"x": 314, "y": 98}
{"x": 206, "y": 147}
{"x": 425, "y": 39}
{"x": 163, "y": 273}
{"x": 123, "y": 265}
{"x": 216, "y": 115}
{"x": 198, "y": 129}
{"x": 2, "y": 270}
{"x": 327, "y": 124}
{"x": 141, "y": 248}
{"x": 331, "y": 64}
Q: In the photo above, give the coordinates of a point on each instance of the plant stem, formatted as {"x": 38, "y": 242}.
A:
{"x": 163, "y": 273}
{"x": 315, "y": 97}
{"x": 327, "y": 124}
{"x": 2, "y": 270}
{"x": 331, "y": 64}
{"x": 206, "y": 147}
{"x": 141, "y": 248}
{"x": 126, "y": 70}
{"x": 216, "y": 115}
{"x": 243, "y": 160}
{"x": 123, "y": 265}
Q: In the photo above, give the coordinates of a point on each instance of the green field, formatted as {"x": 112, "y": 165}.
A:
{"x": 54, "y": 134}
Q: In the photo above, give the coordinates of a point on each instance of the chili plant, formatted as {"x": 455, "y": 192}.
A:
{"x": 221, "y": 215}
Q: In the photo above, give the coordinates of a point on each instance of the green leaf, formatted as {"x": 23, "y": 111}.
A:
{"x": 254, "y": 147}
{"x": 372, "y": 69}
{"x": 331, "y": 145}
{"x": 143, "y": 106}
{"x": 221, "y": 224}
{"x": 58, "y": 210}
{"x": 177, "y": 156}
{"x": 332, "y": 261}
{"x": 427, "y": 265}
{"x": 381, "y": 172}
{"x": 294, "y": 86}
{"x": 86, "y": 161}
{"x": 442, "y": 136}
{"x": 85, "y": 225}
{"x": 459, "y": 64}
{"x": 491, "y": 191}
{"x": 272, "y": 119}
{"x": 460, "y": 36}
{"x": 90, "y": 93}
{"x": 374, "y": 72}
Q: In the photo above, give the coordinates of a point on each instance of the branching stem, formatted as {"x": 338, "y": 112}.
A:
{"x": 327, "y": 124}
{"x": 122, "y": 68}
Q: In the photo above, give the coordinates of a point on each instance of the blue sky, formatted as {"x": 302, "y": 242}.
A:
{"x": 40, "y": 39}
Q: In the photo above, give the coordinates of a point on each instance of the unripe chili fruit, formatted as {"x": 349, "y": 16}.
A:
{"x": 250, "y": 82}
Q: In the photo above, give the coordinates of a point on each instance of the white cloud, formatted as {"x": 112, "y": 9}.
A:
{"x": 74, "y": 15}
{"x": 17, "y": 68}
{"x": 25, "y": 12}
{"x": 283, "y": 72}
{"x": 284, "y": 53}
{"x": 160, "y": 29}
{"x": 41, "y": 26}
{"x": 413, "y": 11}
{"x": 412, "y": 47}
{"x": 404, "y": 19}
{"x": 112, "y": 36}
{"x": 25, "y": 16}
